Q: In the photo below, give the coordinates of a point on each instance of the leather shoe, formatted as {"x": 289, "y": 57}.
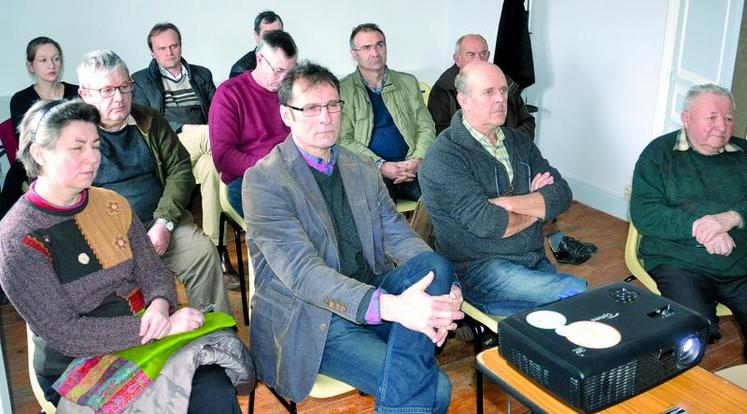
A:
{"x": 230, "y": 277}
{"x": 571, "y": 251}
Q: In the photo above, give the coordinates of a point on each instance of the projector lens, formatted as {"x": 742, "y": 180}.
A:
{"x": 687, "y": 351}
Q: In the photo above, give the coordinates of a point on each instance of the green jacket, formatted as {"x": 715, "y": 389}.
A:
{"x": 172, "y": 161}
{"x": 404, "y": 101}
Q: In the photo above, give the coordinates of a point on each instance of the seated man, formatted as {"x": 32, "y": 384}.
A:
{"x": 689, "y": 202}
{"x": 325, "y": 238}
{"x": 244, "y": 118}
{"x": 384, "y": 118}
{"x": 182, "y": 92}
{"x": 143, "y": 160}
{"x": 488, "y": 190}
{"x": 443, "y": 103}
{"x": 264, "y": 22}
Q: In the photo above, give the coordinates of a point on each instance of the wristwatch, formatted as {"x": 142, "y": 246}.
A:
{"x": 169, "y": 224}
{"x": 380, "y": 162}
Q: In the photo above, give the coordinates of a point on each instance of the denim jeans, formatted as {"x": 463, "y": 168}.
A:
{"x": 393, "y": 363}
{"x": 234, "y": 195}
{"x": 501, "y": 287}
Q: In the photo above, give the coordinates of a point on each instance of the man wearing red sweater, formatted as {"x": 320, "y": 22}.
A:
{"x": 244, "y": 118}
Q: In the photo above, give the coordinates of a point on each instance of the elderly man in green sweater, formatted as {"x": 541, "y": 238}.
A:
{"x": 689, "y": 202}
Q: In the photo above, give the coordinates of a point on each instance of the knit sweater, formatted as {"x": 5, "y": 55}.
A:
{"x": 672, "y": 189}
{"x": 458, "y": 176}
{"x": 74, "y": 276}
{"x": 245, "y": 125}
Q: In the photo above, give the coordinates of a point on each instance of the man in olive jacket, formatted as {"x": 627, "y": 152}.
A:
{"x": 142, "y": 159}
{"x": 384, "y": 117}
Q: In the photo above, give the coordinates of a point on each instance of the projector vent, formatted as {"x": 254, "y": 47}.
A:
{"x": 608, "y": 387}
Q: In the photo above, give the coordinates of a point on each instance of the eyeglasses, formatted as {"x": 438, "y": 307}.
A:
{"x": 108, "y": 91}
{"x": 380, "y": 46}
{"x": 314, "y": 110}
{"x": 275, "y": 71}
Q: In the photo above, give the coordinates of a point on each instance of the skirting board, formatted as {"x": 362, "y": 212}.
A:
{"x": 600, "y": 199}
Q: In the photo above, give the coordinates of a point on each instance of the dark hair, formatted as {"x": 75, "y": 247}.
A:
{"x": 36, "y": 42}
{"x": 43, "y": 124}
{"x": 275, "y": 39}
{"x": 160, "y": 28}
{"x": 365, "y": 27}
{"x": 266, "y": 17}
{"x": 312, "y": 74}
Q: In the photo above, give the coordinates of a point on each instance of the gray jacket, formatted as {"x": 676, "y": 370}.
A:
{"x": 293, "y": 245}
{"x": 458, "y": 177}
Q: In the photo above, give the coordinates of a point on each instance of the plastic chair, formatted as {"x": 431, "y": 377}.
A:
{"x": 405, "y": 206}
{"x": 229, "y": 215}
{"x": 737, "y": 375}
{"x": 45, "y": 405}
{"x": 479, "y": 322}
{"x": 635, "y": 265}
{"x": 10, "y": 145}
{"x": 425, "y": 90}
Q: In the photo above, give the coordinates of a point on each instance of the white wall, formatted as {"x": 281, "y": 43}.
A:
{"x": 216, "y": 33}
{"x": 597, "y": 64}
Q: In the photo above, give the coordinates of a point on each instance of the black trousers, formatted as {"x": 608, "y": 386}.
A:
{"x": 700, "y": 292}
{"x": 409, "y": 190}
{"x": 212, "y": 391}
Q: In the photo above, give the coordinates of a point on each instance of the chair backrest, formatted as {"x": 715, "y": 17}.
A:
{"x": 10, "y": 145}
{"x": 425, "y": 90}
{"x": 45, "y": 405}
{"x": 634, "y": 263}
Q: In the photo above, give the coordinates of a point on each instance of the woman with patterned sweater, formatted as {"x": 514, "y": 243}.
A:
{"x": 76, "y": 262}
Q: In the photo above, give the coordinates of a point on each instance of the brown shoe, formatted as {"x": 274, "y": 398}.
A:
{"x": 231, "y": 281}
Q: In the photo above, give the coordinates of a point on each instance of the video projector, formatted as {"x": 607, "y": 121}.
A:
{"x": 603, "y": 346}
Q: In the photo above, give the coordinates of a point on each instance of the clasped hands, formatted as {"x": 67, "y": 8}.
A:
{"x": 156, "y": 322}
{"x": 401, "y": 171}
{"x": 419, "y": 311}
{"x": 712, "y": 232}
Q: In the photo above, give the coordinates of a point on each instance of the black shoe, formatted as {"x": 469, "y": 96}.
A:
{"x": 230, "y": 277}
{"x": 571, "y": 251}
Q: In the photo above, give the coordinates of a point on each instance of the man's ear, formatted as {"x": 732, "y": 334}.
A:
{"x": 463, "y": 100}
{"x": 685, "y": 118}
{"x": 286, "y": 115}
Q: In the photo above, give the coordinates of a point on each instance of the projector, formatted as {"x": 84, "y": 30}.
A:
{"x": 603, "y": 346}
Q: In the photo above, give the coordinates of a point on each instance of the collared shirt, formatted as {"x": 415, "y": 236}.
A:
{"x": 326, "y": 168}
{"x": 166, "y": 74}
{"x": 130, "y": 120}
{"x": 683, "y": 144}
{"x": 498, "y": 151}
{"x": 383, "y": 82}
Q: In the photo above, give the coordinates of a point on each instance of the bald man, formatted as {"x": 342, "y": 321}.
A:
{"x": 488, "y": 190}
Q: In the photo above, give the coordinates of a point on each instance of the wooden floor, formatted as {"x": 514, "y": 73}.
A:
{"x": 581, "y": 222}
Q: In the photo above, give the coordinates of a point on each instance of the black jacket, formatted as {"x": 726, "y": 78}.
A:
{"x": 149, "y": 88}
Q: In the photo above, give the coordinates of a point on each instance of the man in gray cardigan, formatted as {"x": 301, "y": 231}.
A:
{"x": 488, "y": 189}
{"x": 344, "y": 287}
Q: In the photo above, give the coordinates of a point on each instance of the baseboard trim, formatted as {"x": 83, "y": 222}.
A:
{"x": 598, "y": 198}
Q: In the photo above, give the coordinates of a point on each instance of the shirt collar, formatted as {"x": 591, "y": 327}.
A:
{"x": 683, "y": 144}
{"x": 383, "y": 82}
{"x": 166, "y": 74}
{"x": 482, "y": 139}
{"x": 318, "y": 163}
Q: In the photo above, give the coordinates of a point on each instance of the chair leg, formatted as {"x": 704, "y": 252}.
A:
{"x": 289, "y": 405}
{"x": 250, "y": 402}
{"x": 477, "y": 331}
{"x": 240, "y": 270}
{"x": 222, "y": 231}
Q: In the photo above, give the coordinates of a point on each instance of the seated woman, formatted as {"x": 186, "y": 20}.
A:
{"x": 44, "y": 63}
{"x": 78, "y": 266}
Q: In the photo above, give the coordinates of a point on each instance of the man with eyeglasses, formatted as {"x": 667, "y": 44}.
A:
{"x": 324, "y": 237}
{"x": 442, "y": 101}
{"x": 385, "y": 118}
{"x": 244, "y": 119}
{"x": 265, "y": 21}
{"x": 488, "y": 191}
{"x": 689, "y": 203}
{"x": 142, "y": 159}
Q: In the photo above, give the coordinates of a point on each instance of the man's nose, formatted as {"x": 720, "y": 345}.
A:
{"x": 325, "y": 117}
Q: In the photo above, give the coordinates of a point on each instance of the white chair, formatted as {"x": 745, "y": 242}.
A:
{"x": 45, "y": 405}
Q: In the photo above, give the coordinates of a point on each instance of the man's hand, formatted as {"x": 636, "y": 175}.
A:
{"x": 160, "y": 237}
{"x": 155, "y": 321}
{"x": 418, "y": 311}
{"x": 186, "y": 320}
{"x": 541, "y": 180}
{"x": 721, "y": 244}
{"x": 456, "y": 299}
{"x": 397, "y": 171}
{"x": 710, "y": 226}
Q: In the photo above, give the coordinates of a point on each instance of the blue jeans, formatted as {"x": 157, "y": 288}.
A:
{"x": 389, "y": 361}
{"x": 234, "y": 195}
{"x": 501, "y": 287}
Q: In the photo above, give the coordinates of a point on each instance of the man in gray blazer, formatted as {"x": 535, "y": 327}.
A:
{"x": 344, "y": 287}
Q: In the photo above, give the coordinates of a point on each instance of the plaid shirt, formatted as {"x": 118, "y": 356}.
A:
{"x": 498, "y": 151}
{"x": 683, "y": 144}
